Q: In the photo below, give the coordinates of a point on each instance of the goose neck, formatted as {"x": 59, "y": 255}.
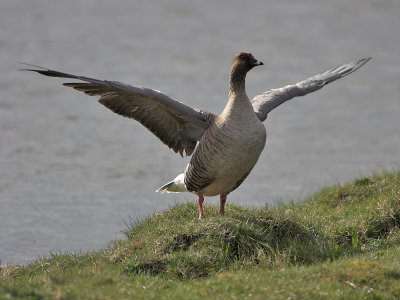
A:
{"x": 237, "y": 83}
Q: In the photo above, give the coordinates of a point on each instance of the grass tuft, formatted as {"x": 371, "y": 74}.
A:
{"x": 341, "y": 242}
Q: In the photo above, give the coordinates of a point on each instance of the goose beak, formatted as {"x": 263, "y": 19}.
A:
{"x": 257, "y": 63}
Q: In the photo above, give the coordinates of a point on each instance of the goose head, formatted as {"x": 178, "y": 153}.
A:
{"x": 244, "y": 62}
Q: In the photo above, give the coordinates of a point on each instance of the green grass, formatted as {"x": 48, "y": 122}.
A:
{"x": 343, "y": 242}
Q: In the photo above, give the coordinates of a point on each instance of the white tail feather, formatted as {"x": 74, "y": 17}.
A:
{"x": 175, "y": 186}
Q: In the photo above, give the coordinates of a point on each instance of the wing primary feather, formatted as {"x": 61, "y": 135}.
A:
{"x": 267, "y": 101}
{"x": 177, "y": 125}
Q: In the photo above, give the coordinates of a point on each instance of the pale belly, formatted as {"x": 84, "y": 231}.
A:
{"x": 235, "y": 161}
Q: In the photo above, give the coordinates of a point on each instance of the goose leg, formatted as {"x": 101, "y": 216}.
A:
{"x": 201, "y": 213}
{"x": 222, "y": 204}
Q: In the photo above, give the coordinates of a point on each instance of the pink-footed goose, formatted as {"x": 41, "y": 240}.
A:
{"x": 229, "y": 144}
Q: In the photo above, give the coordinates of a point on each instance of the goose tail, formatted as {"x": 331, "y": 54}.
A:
{"x": 175, "y": 186}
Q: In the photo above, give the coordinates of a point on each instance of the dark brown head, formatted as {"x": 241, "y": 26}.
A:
{"x": 244, "y": 62}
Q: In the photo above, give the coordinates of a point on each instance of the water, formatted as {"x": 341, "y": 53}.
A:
{"x": 71, "y": 172}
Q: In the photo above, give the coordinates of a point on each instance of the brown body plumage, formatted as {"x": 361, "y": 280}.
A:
{"x": 233, "y": 142}
{"x": 229, "y": 143}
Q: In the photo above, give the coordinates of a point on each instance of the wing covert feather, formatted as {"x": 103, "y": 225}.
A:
{"x": 177, "y": 125}
{"x": 269, "y": 100}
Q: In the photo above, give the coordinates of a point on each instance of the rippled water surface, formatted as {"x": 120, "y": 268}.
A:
{"x": 71, "y": 172}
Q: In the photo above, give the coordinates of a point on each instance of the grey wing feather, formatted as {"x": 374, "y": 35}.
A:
{"x": 269, "y": 100}
{"x": 177, "y": 125}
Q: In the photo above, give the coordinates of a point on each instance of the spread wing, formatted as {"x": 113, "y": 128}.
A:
{"x": 269, "y": 100}
{"x": 177, "y": 125}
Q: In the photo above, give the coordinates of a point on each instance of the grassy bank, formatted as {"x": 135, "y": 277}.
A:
{"x": 342, "y": 242}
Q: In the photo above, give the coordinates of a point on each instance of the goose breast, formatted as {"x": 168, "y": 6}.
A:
{"x": 225, "y": 156}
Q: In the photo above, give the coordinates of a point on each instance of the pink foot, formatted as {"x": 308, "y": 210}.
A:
{"x": 201, "y": 213}
{"x": 222, "y": 204}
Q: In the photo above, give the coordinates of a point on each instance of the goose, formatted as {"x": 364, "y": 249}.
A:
{"x": 228, "y": 144}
